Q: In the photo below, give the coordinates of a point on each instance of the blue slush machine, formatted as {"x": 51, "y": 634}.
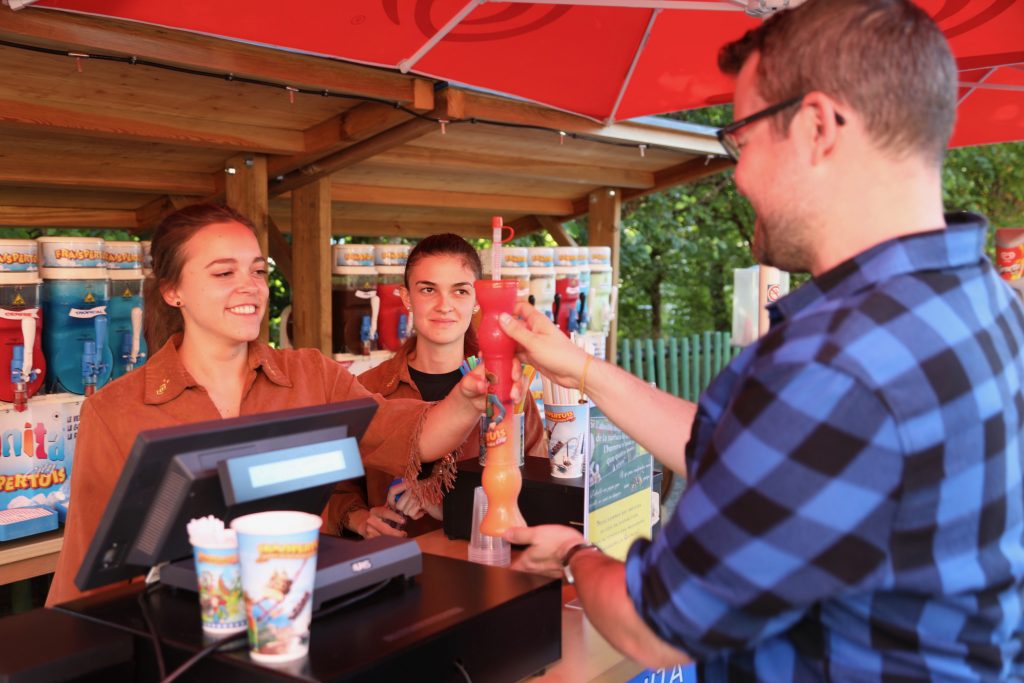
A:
{"x": 124, "y": 269}
{"x": 76, "y": 296}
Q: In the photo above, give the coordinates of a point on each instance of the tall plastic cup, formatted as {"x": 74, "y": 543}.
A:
{"x": 501, "y": 479}
{"x": 277, "y": 553}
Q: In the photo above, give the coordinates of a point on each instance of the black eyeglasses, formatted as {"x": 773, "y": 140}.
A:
{"x": 727, "y": 135}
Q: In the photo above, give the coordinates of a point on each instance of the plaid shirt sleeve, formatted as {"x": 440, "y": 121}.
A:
{"x": 791, "y": 501}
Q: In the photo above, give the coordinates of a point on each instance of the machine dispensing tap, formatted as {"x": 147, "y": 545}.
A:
{"x": 92, "y": 356}
{"x": 22, "y": 371}
{"x": 133, "y": 342}
{"x": 19, "y": 378}
{"x": 365, "y": 337}
{"x": 403, "y": 328}
{"x": 374, "y": 316}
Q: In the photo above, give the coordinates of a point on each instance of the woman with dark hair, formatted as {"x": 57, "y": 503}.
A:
{"x": 439, "y": 277}
{"x": 205, "y": 302}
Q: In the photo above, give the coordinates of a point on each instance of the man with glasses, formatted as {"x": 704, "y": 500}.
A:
{"x": 855, "y": 508}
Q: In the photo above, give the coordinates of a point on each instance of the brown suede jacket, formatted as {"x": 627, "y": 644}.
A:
{"x": 163, "y": 394}
{"x": 391, "y": 380}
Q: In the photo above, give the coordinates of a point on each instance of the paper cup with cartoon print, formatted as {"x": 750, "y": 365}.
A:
{"x": 220, "y": 585}
{"x": 568, "y": 428}
{"x": 277, "y": 551}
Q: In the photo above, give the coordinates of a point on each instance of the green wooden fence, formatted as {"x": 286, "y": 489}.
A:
{"x": 681, "y": 366}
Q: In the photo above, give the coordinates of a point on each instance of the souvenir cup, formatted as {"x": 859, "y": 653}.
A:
{"x": 277, "y": 551}
{"x": 568, "y": 428}
{"x": 220, "y": 586}
{"x": 501, "y": 479}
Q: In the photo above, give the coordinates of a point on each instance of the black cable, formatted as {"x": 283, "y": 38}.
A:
{"x": 324, "y": 92}
{"x": 212, "y": 647}
{"x": 462, "y": 670}
{"x": 188, "y": 663}
{"x": 151, "y": 627}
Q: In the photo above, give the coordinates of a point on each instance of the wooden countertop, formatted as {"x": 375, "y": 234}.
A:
{"x": 586, "y": 655}
{"x": 30, "y": 556}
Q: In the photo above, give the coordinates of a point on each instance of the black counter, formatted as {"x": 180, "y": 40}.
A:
{"x": 497, "y": 624}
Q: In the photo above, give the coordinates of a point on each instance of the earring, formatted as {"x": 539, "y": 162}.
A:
{"x": 178, "y": 303}
{"x": 476, "y": 309}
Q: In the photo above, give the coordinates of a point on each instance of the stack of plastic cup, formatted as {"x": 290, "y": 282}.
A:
{"x": 484, "y": 549}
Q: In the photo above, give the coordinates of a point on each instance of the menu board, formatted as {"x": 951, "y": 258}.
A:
{"x": 618, "y": 488}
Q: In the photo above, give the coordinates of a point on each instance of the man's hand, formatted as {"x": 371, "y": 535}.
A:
{"x": 373, "y": 522}
{"x": 542, "y": 345}
{"x": 548, "y": 543}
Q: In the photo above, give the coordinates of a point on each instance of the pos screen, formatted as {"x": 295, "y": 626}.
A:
{"x": 286, "y": 460}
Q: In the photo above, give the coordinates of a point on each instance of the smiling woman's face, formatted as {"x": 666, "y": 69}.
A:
{"x": 441, "y": 297}
{"x": 223, "y": 287}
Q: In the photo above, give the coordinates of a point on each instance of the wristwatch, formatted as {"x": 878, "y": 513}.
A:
{"x": 566, "y": 570}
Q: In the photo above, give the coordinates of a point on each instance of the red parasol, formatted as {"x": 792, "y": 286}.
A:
{"x": 605, "y": 59}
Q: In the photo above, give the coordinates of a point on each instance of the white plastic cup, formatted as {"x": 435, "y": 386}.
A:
{"x": 484, "y": 549}
{"x": 277, "y": 552}
{"x": 568, "y": 428}
{"x": 220, "y": 586}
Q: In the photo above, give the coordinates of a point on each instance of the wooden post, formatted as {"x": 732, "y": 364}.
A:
{"x": 311, "y": 254}
{"x": 605, "y": 229}
{"x": 245, "y": 190}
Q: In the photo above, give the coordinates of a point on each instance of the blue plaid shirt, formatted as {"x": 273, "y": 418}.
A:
{"x": 854, "y": 511}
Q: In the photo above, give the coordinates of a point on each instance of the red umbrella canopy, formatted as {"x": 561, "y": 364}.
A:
{"x": 605, "y": 59}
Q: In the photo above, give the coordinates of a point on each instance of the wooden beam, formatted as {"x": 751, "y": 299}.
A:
{"x": 466, "y": 104}
{"x": 686, "y": 172}
{"x": 395, "y": 196}
{"x": 411, "y": 156}
{"x": 311, "y": 294}
{"x": 40, "y": 118}
{"x": 46, "y": 217}
{"x": 279, "y": 249}
{"x": 345, "y": 226}
{"x": 338, "y": 132}
{"x": 99, "y": 176}
{"x": 150, "y": 214}
{"x": 605, "y": 229}
{"x": 393, "y": 137}
{"x": 246, "y": 192}
{"x": 107, "y": 36}
{"x": 681, "y": 174}
{"x": 526, "y": 225}
{"x": 557, "y": 231}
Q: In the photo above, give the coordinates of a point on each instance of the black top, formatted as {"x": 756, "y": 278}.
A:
{"x": 434, "y": 387}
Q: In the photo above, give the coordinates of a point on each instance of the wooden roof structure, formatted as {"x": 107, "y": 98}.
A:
{"x": 109, "y": 124}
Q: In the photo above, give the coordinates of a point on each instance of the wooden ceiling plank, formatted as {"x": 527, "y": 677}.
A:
{"x": 104, "y": 177}
{"x": 47, "y": 217}
{"x": 373, "y": 194}
{"x": 40, "y": 118}
{"x": 417, "y": 157}
{"x": 93, "y": 34}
